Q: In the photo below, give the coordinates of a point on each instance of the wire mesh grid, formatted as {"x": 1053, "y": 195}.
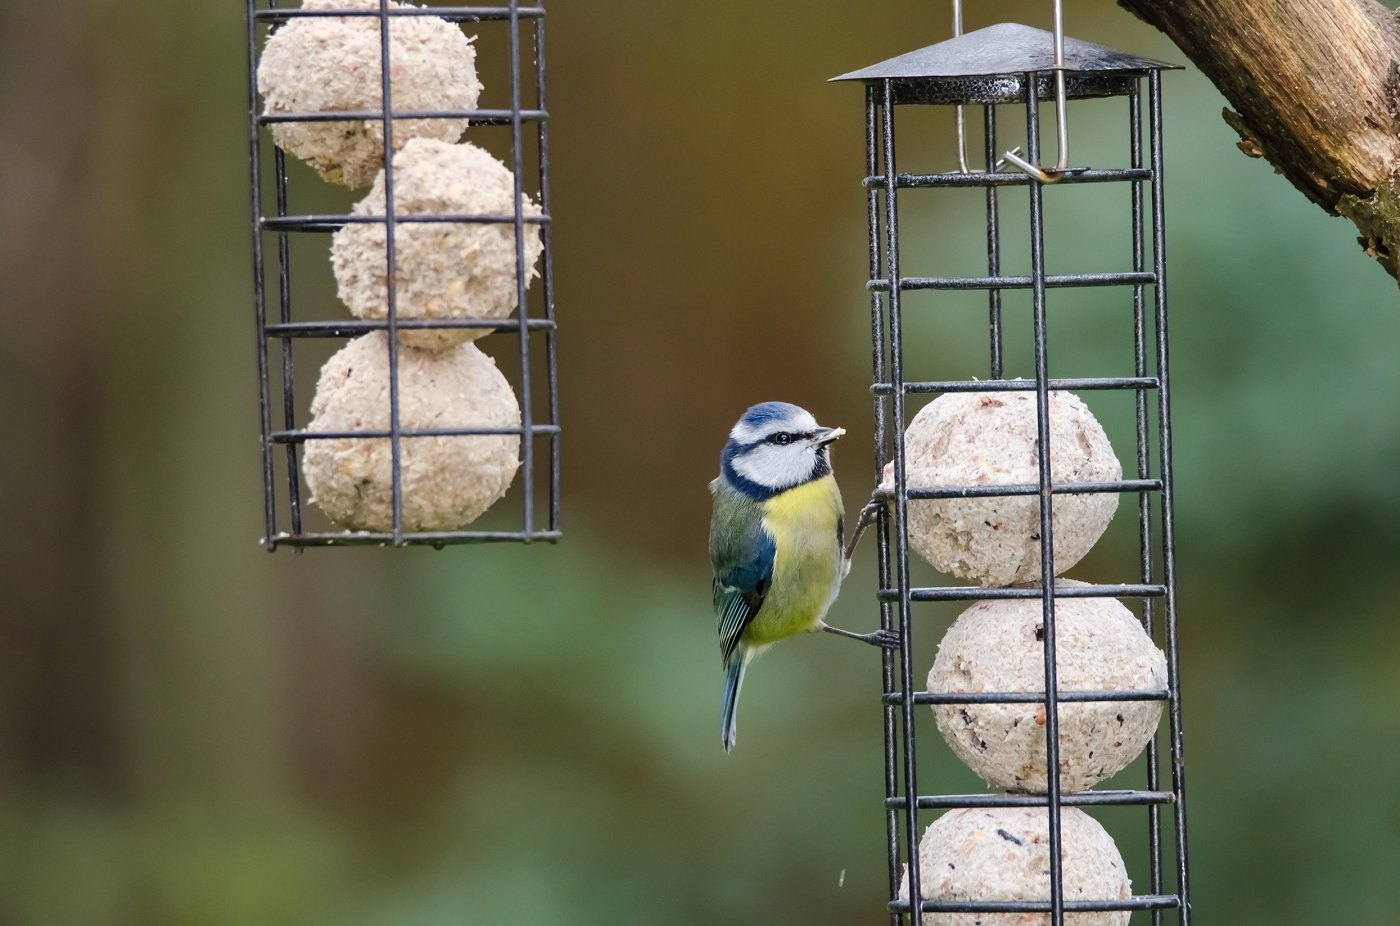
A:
{"x": 899, "y": 599}
{"x": 279, "y": 327}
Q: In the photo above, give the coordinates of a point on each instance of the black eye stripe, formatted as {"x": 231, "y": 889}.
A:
{"x": 783, "y": 438}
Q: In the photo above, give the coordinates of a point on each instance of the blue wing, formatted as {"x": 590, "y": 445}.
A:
{"x": 743, "y": 574}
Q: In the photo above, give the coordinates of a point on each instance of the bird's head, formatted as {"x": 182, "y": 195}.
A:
{"x": 776, "y": 446}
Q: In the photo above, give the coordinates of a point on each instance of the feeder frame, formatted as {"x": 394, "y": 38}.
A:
{"x": 958, "y": 73}
{"x": 285, "y": 330}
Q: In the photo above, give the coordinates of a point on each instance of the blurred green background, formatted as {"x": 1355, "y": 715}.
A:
{"x": 193, "y": 731}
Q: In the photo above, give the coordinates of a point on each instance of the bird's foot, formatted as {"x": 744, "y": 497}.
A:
{"x": 885, "y": 639}
{"x": 867, "y": 517}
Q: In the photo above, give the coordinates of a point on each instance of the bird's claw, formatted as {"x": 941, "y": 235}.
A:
{"x": 885, "y": 639}
{"x": 867, "y": 517}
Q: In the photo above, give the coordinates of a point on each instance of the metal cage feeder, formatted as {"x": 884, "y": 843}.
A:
{"x": 525, "y": 340}
{"x": 999, "y": 68}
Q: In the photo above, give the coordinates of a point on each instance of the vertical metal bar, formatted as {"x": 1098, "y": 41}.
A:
{"x": 993, "y": 241}
{"x": 527, "y": 444}
{"x": 1047, "y": 554}
{"x": 284, "y": 295}
{"x": 547, "y": 273}
{"x": 259, "y": 297}
{"x": 1154, "y": 821}
{"x": 1159, "y": 266}
{"x": 877, "y": 341}
{"x": 901, "y": 502}
{"x": 391, "y": 303}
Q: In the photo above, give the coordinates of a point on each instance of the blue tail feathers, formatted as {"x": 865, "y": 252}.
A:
{"x": 733, "y": 681}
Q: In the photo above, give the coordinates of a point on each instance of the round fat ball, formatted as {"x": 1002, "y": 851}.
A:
{"x": 989, "y": 439}
{"x": 445, "y": 269}
{"x": 999, "y": 646}
{"x": 447, "y": 482}
{"x": 319, "y": 64}
{"x": 1003, "y": 853}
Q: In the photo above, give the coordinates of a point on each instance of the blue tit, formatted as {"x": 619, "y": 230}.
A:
{"x": 775, "y": 538}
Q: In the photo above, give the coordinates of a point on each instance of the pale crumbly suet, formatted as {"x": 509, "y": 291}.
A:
{"x": 445, "y": 270}
{"x": 999, "y": 646}
{"x": 1003, "y": 853}
{"x": 446, "y": 482}
{"x": 988, "y": 439}
{"x": 317, "y": 64}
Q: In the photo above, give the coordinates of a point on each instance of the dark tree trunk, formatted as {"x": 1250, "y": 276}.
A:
{"x": 1313, "y": 84}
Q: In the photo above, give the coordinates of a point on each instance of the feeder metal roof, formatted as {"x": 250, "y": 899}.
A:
{"x": 1006, "y": 48}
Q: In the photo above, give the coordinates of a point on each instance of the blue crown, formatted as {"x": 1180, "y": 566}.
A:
{"x": 768, "y": 412}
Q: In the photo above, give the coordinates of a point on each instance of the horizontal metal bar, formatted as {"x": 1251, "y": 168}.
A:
{"x": 330, "y": 223}
{"x": 1137, "y": 902}
{"x": 1026, "y": 488}
{"x": 301, "y": 435}
{"x": 1006, "y": 178}
{"x": 977, "y": 593}
{"x": 422, "y": 538}
{"x": 1022, "y": 385}
{"x": 350, "y": 328}
{"x": 1078, "y": 799}
{"x": 476, "y": 116}
{"x": 1017, "y": 282}
{"x": 449, "y": 13}
{"x": 1027, "y": 697}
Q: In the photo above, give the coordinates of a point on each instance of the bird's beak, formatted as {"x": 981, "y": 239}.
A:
{"x": 825, "y": 436}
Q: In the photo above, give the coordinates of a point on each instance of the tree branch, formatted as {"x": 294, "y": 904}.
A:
{"x": 1315, "y": 90}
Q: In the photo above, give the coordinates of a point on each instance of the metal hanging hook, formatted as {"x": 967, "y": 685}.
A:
{"x": 962, "y": 129}
{"x": 1054, "y": 174}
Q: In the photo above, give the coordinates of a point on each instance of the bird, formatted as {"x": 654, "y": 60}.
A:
{"x": 776, "y": 540}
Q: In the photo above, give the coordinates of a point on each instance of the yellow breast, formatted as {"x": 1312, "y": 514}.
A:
{"x": 807, "y": 564}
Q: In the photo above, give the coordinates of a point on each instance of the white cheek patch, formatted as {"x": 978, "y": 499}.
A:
{"x": 745, "y": 433}
{"x": 776, "y": 467}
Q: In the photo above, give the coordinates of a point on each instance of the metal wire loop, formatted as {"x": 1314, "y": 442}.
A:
{"x": 1054, "y": 174}
{"x": 962, "y": 130}
{"x": 1012, "y": 156}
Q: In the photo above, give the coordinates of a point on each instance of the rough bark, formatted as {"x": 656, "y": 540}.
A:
{"x": 1315, "y": 89}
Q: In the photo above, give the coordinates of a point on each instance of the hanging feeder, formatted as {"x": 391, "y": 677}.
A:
{"x": 413, "y": 432}
{"x": 989, "y": 510}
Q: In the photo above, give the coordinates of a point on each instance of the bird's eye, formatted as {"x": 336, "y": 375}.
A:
{"x": 781, "y": 438}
